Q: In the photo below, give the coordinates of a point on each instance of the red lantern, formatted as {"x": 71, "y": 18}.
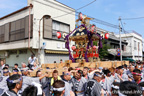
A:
{"x": 93, "y": 28}
{"x": 106, "y": 35}
{"x": 58, "y": 35}
{"x": 80, "y": 16}
{"x": 73, "y": 47}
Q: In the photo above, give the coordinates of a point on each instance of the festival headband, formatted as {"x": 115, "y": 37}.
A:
{"x": 24, "y": 69}
{"x": 132, "y": 66}
{"x": 139, "y": 66}
{"x": 97, "y": 75}
{"x": 115, "y": 87}
{"x": 67, "y": 73}
{"x": 77, "y": 68}
{"x": 5, "y": 71}
{"x": 14, "y": 81}
{"x": 136, "y": 73}
{"x": 142, "y": 88}
{"x": 15, "y": 71}
{"x": 59, "y": 89}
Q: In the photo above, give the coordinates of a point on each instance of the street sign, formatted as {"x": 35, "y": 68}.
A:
{"x": 118, "y": 50}
{"x": 118, "y": 54}
{"x": 44, "y": 45}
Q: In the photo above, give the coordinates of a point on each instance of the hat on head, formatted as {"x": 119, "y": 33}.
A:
{"x": 24, "y": 69}
{"x": 100, "y": 68}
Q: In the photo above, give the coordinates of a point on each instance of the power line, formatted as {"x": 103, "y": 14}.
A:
{"x": 63, "y": 10}
{"x": 102, "y": 22}
{"x": 95, "y": 20}
{"x": 86, "y": 5}
{"x": 76, "y": 9}
{"x": 133, "y": 18}
{"x": 124, "y": 30}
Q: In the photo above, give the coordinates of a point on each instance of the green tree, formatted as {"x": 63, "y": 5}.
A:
{"x": 104, "y": 50}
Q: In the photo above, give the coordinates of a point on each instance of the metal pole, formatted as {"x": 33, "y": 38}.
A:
{"x": 120, "y": 29}
{"x": 29, "y": 26}
{"x": 39, "y": 43}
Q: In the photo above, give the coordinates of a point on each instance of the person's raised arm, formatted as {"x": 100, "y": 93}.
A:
{"x": 45, "y": 75}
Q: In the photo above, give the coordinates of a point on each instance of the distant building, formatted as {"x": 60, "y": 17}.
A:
{"x": 114, "y": 42}
{"x": 15, "y": 46}
{"x": 134, "y": 49}
{"x": 143, "y": 49}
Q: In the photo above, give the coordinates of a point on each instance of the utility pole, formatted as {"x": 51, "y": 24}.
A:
{"x": 120, "y": 30}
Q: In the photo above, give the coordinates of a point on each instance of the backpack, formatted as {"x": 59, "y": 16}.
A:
{"x": 90, "y": 85}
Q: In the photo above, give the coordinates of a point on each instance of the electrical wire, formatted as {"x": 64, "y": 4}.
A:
{"x": 102, "y": 22}
{"x": 125, "y": 32}
{"x": 76, "y": 9}
{"x": 95, "y": 20}
{"x": 133, "y": 18}
{"x": 63, "y": 10}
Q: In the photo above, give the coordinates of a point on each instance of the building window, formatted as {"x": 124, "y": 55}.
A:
{"x": 2, "y": 30}
{"x": 23, "y": 51}
{"x": 135, "y": 47}
{"x": 138, "y": 46}
{"x": 59, "y": 27}
{"x": 17, "y": 31}
{"x": 11, "y": 52}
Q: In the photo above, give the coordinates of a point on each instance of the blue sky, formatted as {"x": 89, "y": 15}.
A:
{"x": 106, "y": 10}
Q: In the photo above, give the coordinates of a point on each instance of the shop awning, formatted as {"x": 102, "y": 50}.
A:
{"x": 114, "y": 52}
{"x": 129, "y": 59}
{"x": 56, "y": 52}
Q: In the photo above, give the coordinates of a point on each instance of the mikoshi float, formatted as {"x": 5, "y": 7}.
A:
{"x": 83, "y": 36}
{"x": 82, "y": 52}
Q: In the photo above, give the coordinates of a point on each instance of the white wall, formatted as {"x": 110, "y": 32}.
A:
{"x": 12, "y": 59}
{"x": 15, "y": 44}
{"x": 50, "y": 58}
{"x": 143, "y": 45}
{"x": 14, "y": 17}
{"x": 54, "y": 9}
{"x": 136, "y": 52}
{"x": 48, "y": 7}
{"x": 40, "y": 8}
{"x": 131, "y": 37}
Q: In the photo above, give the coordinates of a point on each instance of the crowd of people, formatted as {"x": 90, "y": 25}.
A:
{"x": 125, "y": 80}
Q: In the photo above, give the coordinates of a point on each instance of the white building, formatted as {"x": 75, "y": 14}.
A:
{"x": 143, "y": 49}
{"x": 143, "y": 44}
{"x": 135, "y": 47}
{"x": 16, "y": 29}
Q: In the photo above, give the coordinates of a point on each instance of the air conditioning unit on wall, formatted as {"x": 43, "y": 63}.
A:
{"x": 6, "y": 54}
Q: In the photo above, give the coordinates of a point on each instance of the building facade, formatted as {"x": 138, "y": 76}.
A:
{"x": 35, "y": 27}
{"x": 143, "y": 49}
{"x": 134, "y": 48}
{"x": 114, "y": 43}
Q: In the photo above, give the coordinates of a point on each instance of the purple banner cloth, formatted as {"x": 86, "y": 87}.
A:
{"x": 89, "y": 34}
